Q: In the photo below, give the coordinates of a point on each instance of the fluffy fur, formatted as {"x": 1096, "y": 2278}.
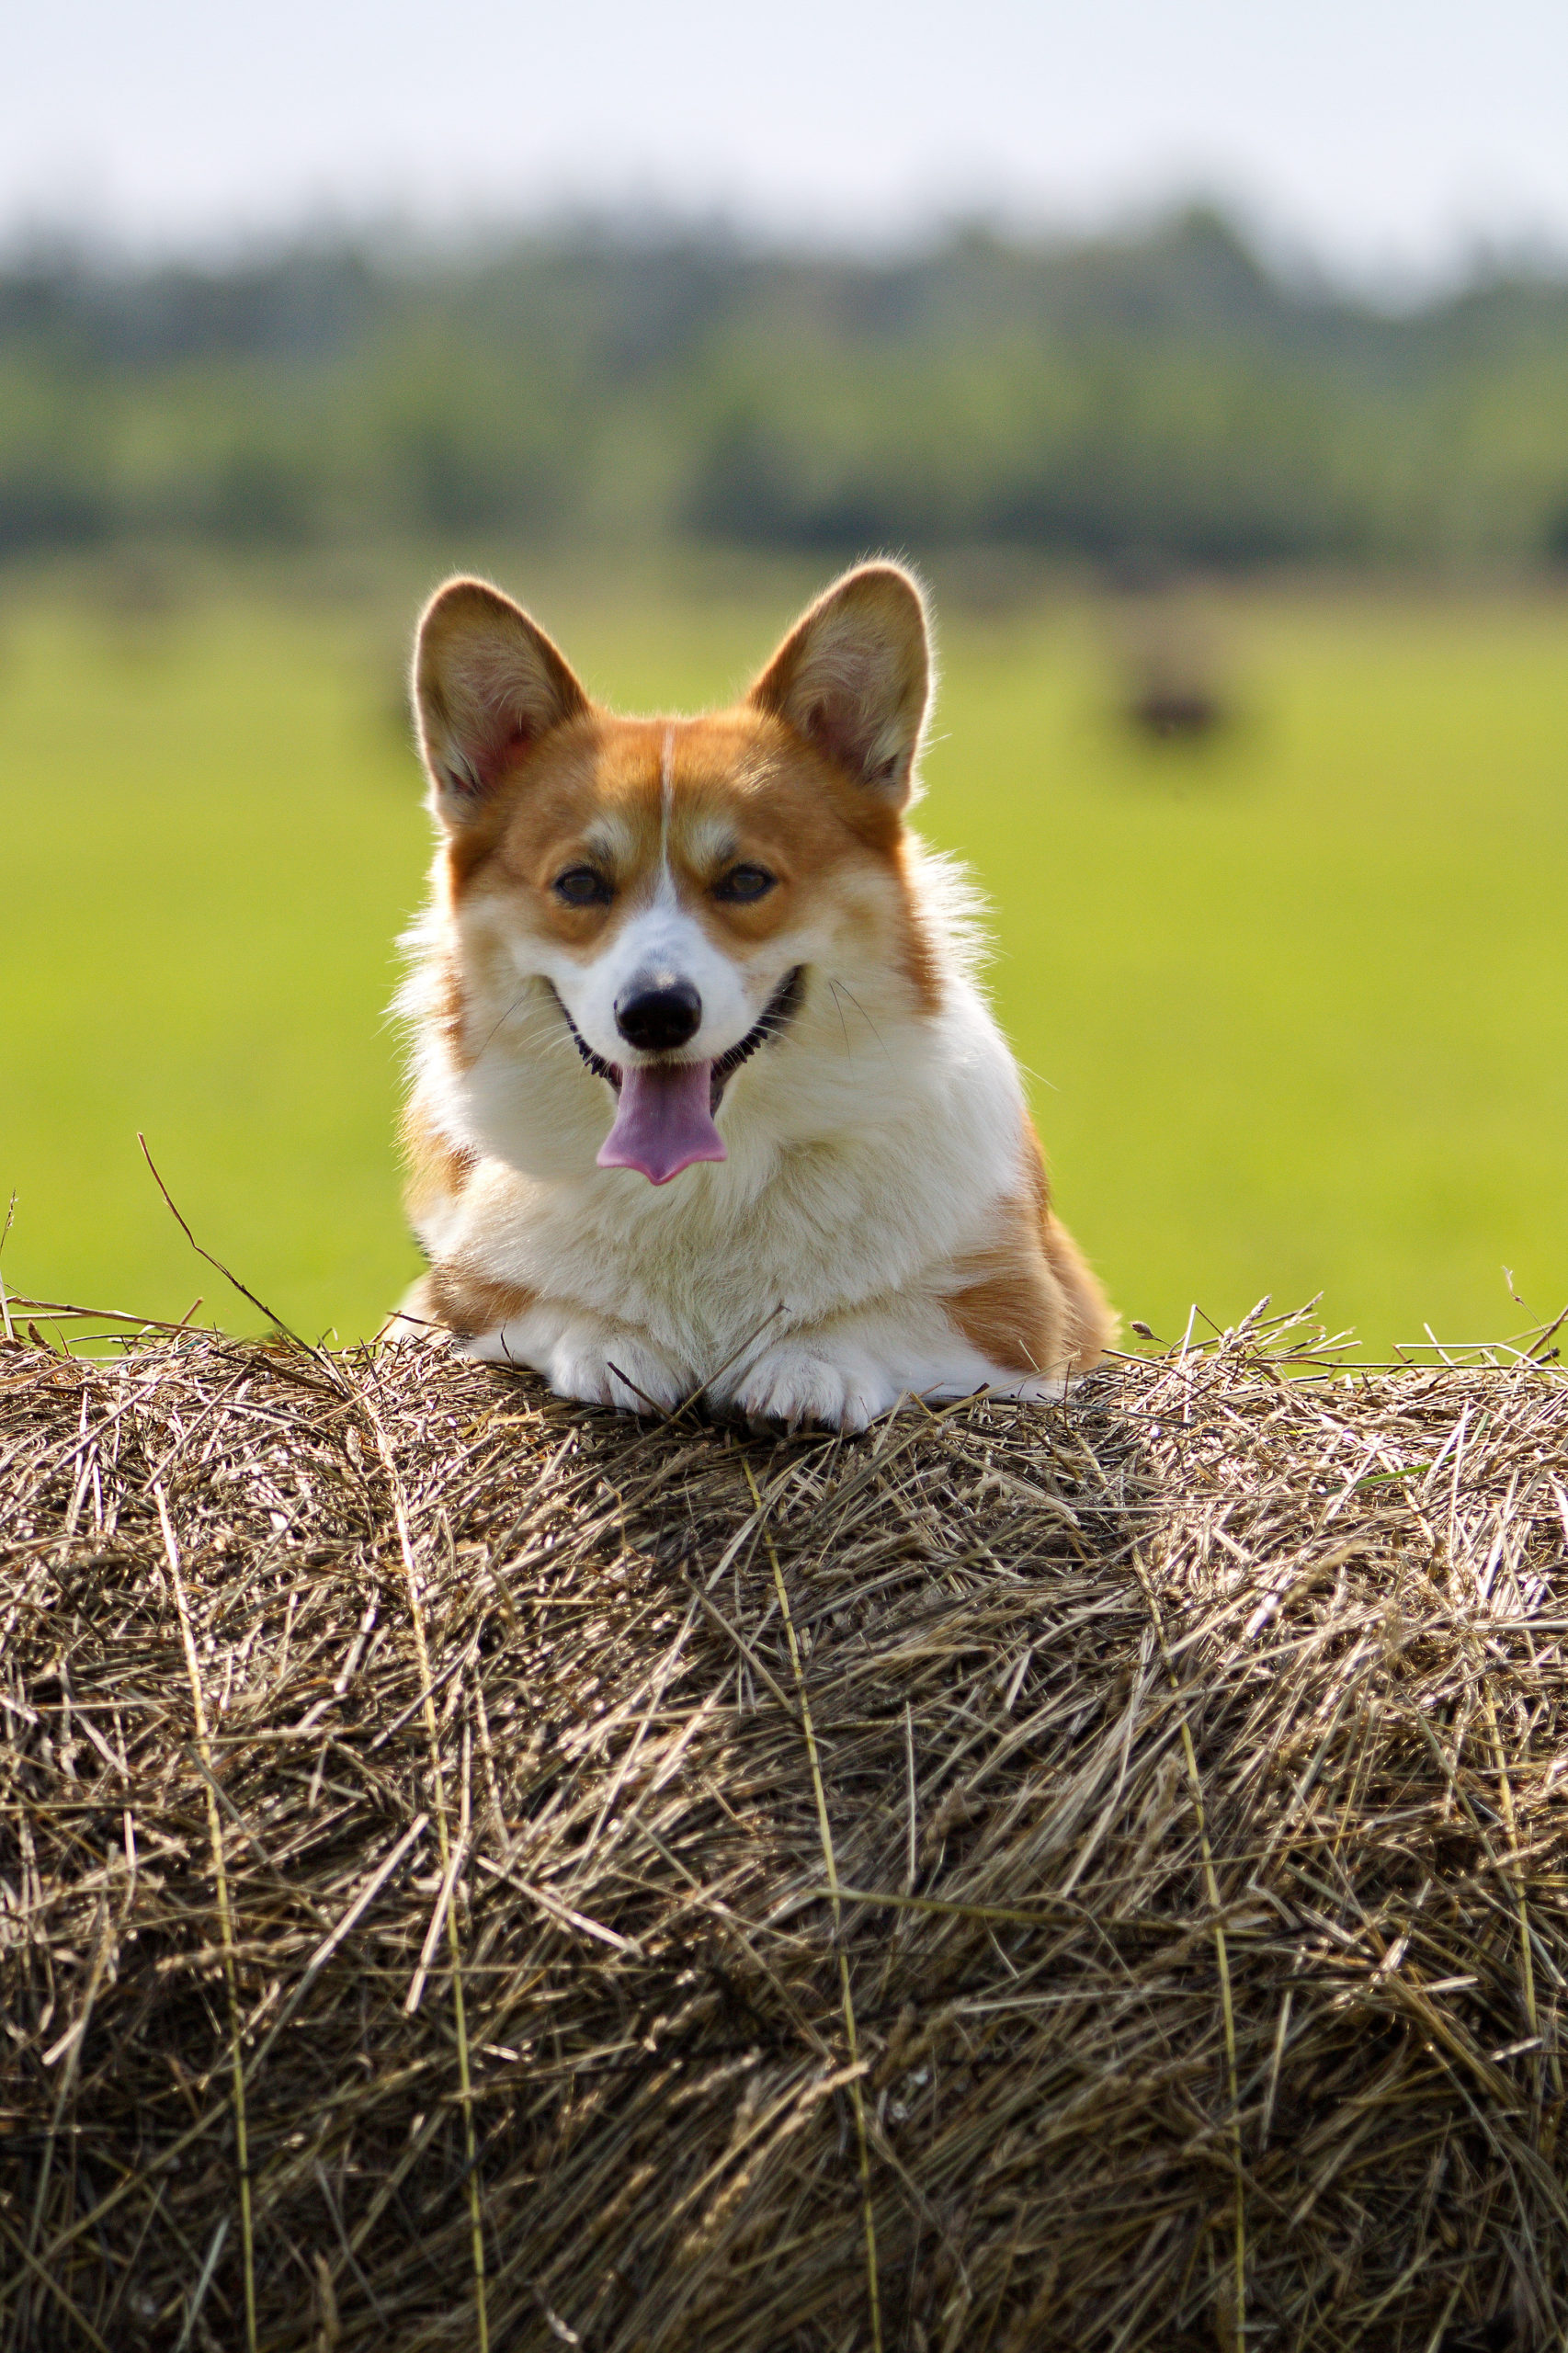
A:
{"x": 879, "y": 1225}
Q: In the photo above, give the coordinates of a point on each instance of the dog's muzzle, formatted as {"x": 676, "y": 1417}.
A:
{"x": 775, "y": 1018}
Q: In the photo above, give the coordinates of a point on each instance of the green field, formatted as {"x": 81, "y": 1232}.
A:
{"x": 1294, "y": 1004}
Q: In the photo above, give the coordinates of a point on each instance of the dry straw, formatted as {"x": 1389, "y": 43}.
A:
{"x": 477, "y": 1871}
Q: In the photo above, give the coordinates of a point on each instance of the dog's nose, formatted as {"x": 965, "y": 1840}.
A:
{"x": 657, "y": 1019}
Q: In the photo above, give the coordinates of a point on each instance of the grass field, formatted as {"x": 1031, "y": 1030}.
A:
{"x": 1294, "y": 1004}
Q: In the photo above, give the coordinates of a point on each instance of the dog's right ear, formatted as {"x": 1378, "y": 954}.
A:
{"x": 488, "y": 685}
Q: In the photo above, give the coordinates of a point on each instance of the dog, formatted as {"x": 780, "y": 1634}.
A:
{"x": 707, "y": 1102}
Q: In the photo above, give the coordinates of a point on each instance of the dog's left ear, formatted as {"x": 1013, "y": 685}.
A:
{"x": 853, "y": 677}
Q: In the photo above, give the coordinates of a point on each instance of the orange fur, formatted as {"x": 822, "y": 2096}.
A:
{"x": 1091, "y": 1323}
{"x": 1007, "y": 1303}
{"x": 1013, "y": 1314}
{"x": 452, "y": 1007}
{"x": 1029, "y": 1301}
{"x": 437, "y": 1168}
{"x": 469, "y": 1303}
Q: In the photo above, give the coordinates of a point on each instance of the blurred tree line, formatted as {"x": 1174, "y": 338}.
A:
{"x": 1157, "y": 396}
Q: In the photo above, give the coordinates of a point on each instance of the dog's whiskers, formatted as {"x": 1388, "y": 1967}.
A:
{"x": 501, "y": 1020}
{"x": 835, "y": 986}
{"x": 848, "y": 1048}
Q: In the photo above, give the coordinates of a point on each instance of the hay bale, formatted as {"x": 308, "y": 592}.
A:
{"x": 1187, "y": 1761}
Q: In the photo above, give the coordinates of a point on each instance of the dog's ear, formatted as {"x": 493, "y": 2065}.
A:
{"x": 853, "y": 677}
{"x": 487, "y": 684}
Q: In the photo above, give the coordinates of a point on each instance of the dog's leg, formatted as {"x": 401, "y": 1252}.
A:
{"x": 816, "y": 1378}
{"x": 1017, "y": 1333}
{"x": 843, "y": 1373}
{"x": 579, "y": 1352}
{"x": 583, "y": 1356}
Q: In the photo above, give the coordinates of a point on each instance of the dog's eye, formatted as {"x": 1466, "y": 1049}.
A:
{"x": 743, "y": 883}
{"x": 582, "y": 886}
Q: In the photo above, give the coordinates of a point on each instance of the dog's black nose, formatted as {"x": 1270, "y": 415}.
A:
{"x": 657, "y": 1020}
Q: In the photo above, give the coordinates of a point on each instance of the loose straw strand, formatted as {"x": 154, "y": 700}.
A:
{"x": 226, "y": 1916}
{"x": 1221, "y": 1955}
{"x": 1521, "y": 1902}
{"x": 449, "y": 1868}
{"x": 851, "y": 2036}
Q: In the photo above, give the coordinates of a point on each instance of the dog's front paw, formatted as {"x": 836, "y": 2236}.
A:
{"x": 796, "y": 1383}
{"x": 616, "y": 1371}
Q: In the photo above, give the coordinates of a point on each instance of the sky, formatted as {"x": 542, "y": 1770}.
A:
{"x": 1387, "y": 138}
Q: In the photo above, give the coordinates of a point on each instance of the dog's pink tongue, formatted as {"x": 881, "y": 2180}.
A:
{"x": 663, "y": 1122}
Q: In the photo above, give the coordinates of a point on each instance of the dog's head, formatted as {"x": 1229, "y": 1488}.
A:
{"x": 676, "y": 882}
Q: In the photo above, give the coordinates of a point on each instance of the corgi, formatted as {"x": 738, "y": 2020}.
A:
{"x": 707, "y": 1102}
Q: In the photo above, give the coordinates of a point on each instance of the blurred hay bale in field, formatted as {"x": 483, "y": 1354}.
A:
{"x": 1174, "y": 686}
{"x": 1188, "y": 1763}
{"x": 137, "y": 599}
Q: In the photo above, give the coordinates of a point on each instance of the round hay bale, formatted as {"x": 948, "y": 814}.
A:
{"x": 478, "y": 1872}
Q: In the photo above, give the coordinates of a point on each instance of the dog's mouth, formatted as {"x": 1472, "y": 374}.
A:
{"x": 664, "y": 1110}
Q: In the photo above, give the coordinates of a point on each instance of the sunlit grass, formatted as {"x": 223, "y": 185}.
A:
{"x": 1294, "y": 1002}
